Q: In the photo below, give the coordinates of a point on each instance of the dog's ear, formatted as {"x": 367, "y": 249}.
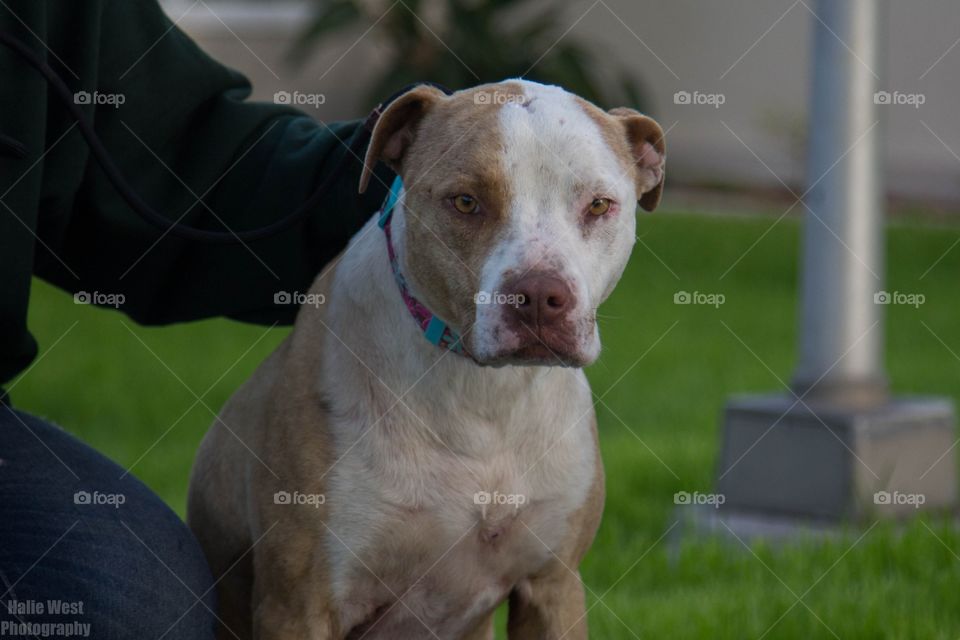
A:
{"x": 645, "y": 138}
{"x": 395, "y": 129}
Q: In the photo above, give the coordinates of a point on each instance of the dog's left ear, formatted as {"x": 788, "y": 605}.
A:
{"x": 396, "y": 129}
{"x": 645, "y": 138}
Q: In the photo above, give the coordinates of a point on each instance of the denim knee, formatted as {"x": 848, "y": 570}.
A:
{"x": 83, "y": 543}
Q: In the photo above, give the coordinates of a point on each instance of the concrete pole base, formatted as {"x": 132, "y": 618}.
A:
{"x": 834, "y": 463}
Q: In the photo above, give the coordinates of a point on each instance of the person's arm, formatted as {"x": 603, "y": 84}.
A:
{"x": 183, "y": 131}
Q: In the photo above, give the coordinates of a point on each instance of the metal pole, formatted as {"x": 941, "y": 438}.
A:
{"x": 831, "y": 456}
{"x": 841, "y": 333}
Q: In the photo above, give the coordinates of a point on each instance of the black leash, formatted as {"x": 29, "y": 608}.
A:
{"x": 100, "y": 153}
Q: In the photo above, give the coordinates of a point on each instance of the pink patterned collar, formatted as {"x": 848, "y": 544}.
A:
{"x": 435, "y": 330}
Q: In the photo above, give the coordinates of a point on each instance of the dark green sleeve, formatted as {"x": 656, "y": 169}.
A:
{"x": 188, "y": 141}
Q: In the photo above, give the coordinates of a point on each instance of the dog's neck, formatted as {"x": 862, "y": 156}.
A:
{"x": 376, "y": 345}
{"x": 435, "y": 329}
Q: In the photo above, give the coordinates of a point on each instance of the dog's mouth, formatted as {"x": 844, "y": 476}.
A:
{"x": 543, "y": 348}
{"x": 539, "y": 355}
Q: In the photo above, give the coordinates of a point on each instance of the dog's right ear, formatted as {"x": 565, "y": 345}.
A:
{"x": 395, "y": 129}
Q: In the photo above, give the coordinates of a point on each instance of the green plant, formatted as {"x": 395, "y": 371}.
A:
{"x": 472, "y": 42}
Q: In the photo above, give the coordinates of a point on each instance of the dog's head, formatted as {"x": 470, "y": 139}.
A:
{"x": 518, "y": 215}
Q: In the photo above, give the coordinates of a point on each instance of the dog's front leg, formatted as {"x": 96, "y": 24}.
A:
{"x": 548, "y": 607}
{"x": 290, "y": 602}
{"x": 275, "y": 619}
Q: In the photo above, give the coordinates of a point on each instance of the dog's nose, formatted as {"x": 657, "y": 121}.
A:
{"x": 541, "y": 299}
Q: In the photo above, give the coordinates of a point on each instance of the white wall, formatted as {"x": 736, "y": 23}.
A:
{"x": 673, "y": 45}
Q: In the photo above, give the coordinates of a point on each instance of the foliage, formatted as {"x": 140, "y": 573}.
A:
{"x": 473, "y": 42}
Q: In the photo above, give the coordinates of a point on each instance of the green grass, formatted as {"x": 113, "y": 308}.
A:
{"x": 101, "y": 383}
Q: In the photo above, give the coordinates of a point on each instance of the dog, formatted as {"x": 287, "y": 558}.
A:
{"x": 422, "y": 447}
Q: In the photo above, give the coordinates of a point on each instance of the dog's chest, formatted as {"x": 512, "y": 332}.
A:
{"x": 423, "y": 537}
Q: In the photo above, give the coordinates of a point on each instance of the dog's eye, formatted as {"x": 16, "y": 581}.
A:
{"x": 599, "y": 206}
{"x": 465, "y": 203}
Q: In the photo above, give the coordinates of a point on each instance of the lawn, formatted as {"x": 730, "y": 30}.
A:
{"x": 145, "y": 397}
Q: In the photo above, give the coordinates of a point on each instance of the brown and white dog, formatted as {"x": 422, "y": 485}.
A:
{"x": 372, "y": 480}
